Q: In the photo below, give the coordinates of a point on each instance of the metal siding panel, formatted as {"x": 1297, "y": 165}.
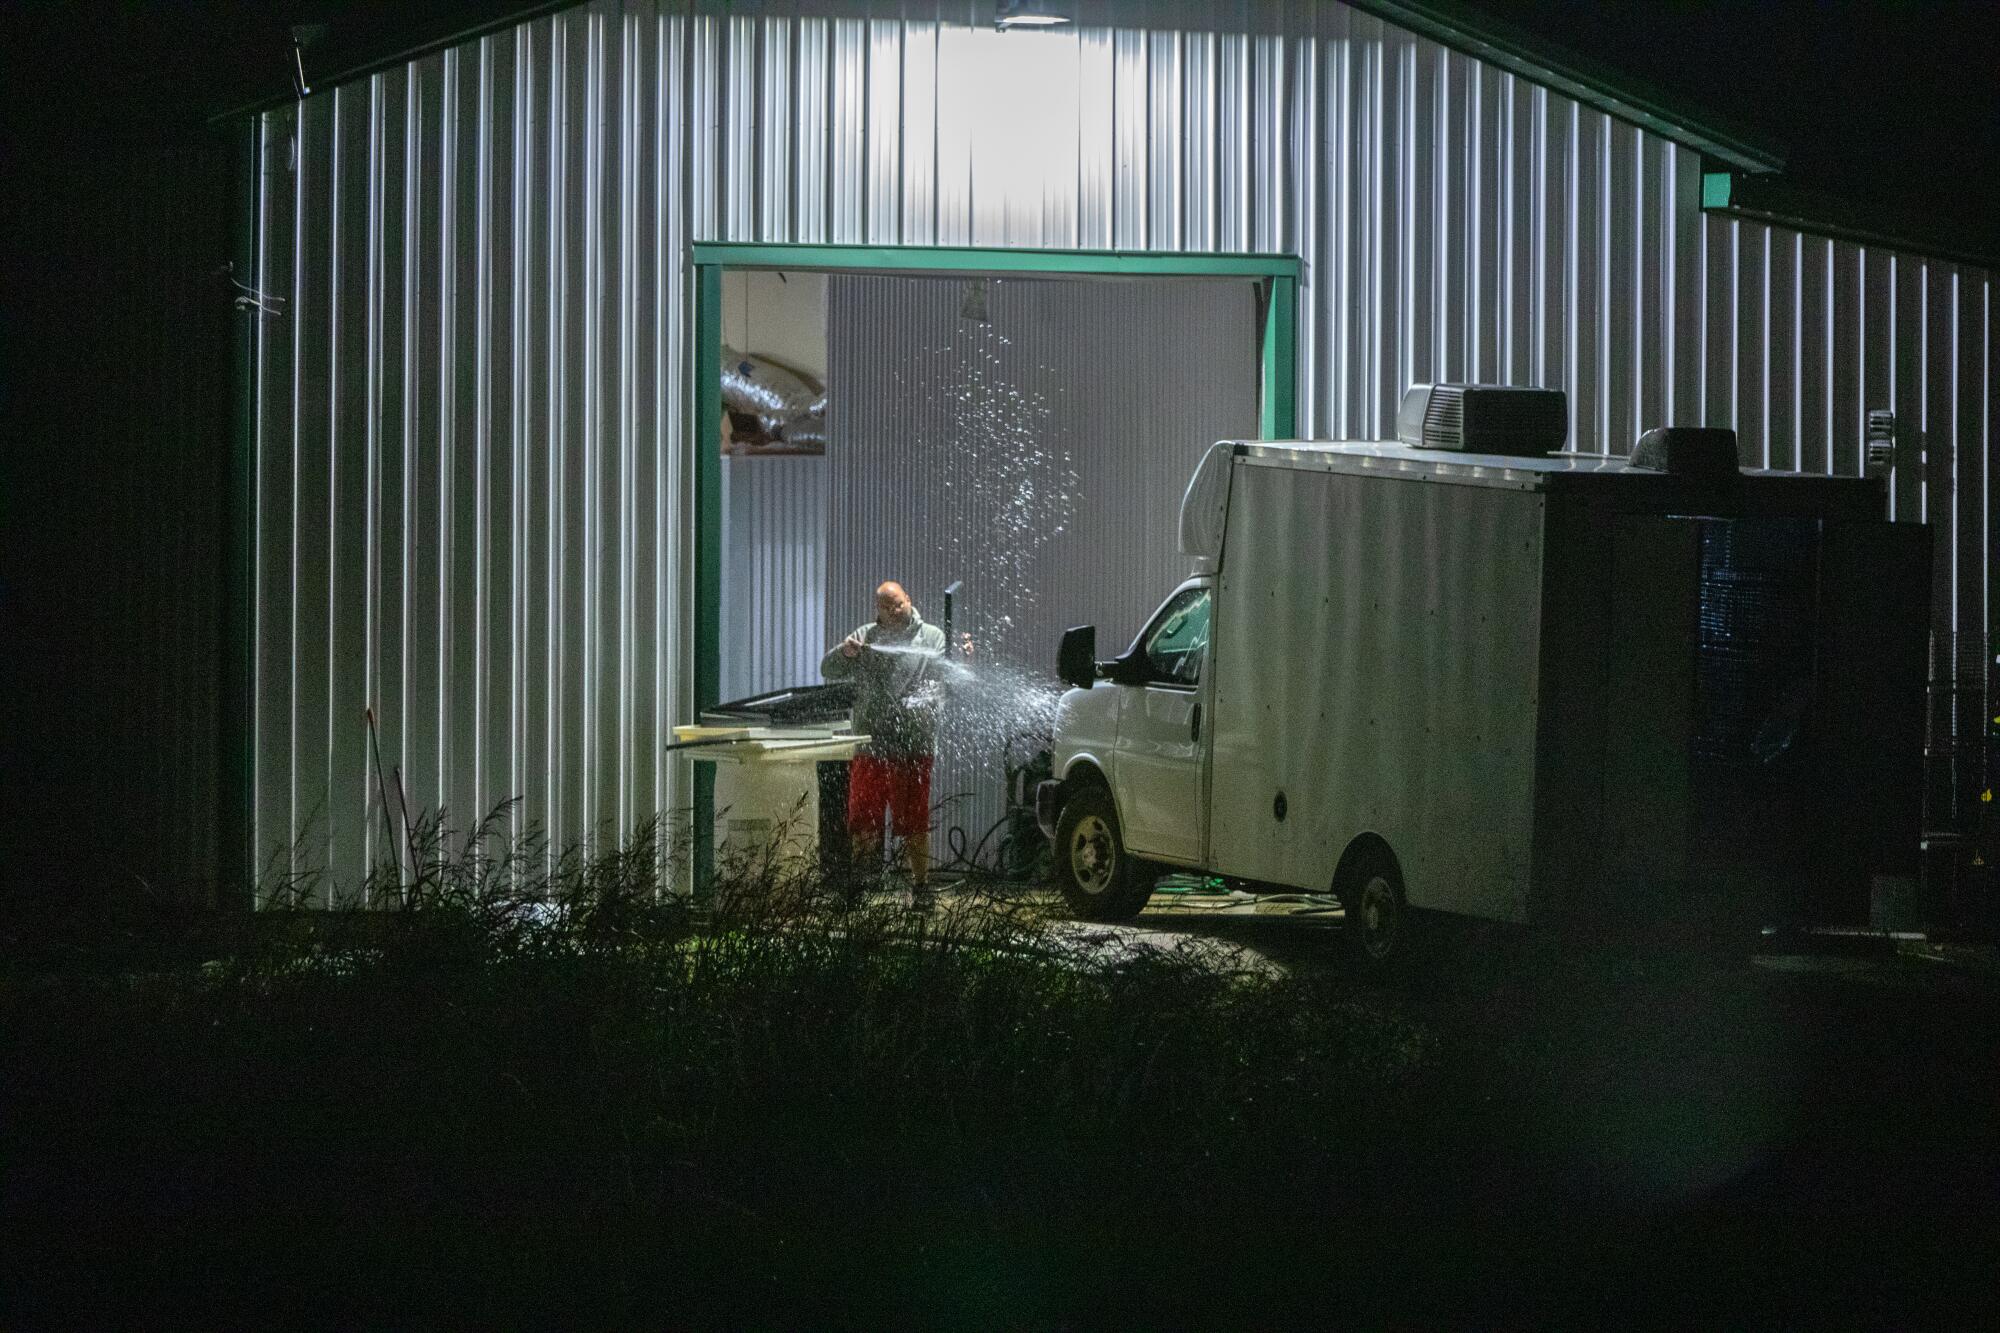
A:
{"x": 1516, "y": 235}
{"x": 1811, "y": 384}
{"x": 1233, "y": 163}
{"x": 1199, "y": 184}
{"x": 271, "y": 579}
{"x": 1652, "y": 265}
{"x": 1483, "y": 198}
{"x": 1553, "y": 244}
{"x": 1413, "y": 207}
{"x": 1718, "y": 318}
{"x": 814, "y": 136}
{"x": 1387, "y": 327}
{"x": 1268, "y": 127}
{"x": 1131, "y": 162}
{"x": 1619, "y": 332}
{"x": 469, "y": 370}
{"x": 848, "y": 131}
{"x": 1906, "y": 359}
{"x": 1751, "y": 342}
{"x": 1781, "y": 349}
{"x": 774, "y": 624}
{"x": 774, "y": 149}
{"x": 1875, "y": 331}
{"x": 920, "y": 133}
{"x": 1163, "y": 141}
{"x": 1938, "y": 362}
{"x": 884, "y": 132}
{"x": 1985, "y": 430}
{"x": 672, "y": 615}
{"x": 311, "y": 498}
{"x": 1364, "y": 236}
{"x": 1685, "y": 228}
{"x": 740, "y": 137}
{"x": 1303, "y": 157}
{"x": 705, "y": 148}
{"x": 347, "y": 593}
{"x": 1967, "y": 471}
{"x": 1843, "y": 335}
{"x": 1583, "y": 293}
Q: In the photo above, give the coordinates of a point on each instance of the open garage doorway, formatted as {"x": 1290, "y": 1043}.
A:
{"x": 1017, "y": 438}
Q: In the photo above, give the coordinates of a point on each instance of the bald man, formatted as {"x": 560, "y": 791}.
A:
{"x": 889, "y": 660}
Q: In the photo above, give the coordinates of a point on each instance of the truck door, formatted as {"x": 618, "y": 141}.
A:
{"x": 1158, "y": 773}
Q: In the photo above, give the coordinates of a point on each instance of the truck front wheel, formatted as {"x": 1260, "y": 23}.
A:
{"x": 1101, "y": 881}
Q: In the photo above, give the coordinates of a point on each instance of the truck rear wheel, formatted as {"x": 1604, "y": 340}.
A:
{"x": 1100, "y": 880}
{"x": 1378, "y": 916}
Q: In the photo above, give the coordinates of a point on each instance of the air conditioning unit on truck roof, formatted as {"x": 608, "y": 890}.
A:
{"x": 1520, "y": 686}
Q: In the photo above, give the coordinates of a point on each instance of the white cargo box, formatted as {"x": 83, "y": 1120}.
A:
{"x": 1547, "y": 683}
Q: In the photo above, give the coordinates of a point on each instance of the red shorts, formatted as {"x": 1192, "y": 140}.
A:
{"x": 900, "y": 786}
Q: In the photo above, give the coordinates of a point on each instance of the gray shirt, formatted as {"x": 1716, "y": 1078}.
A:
{"x": 895, "y": 686}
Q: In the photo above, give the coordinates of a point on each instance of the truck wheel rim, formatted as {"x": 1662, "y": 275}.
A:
{"x": 1379, "y": 916}
{"x": 1091, "y": 854}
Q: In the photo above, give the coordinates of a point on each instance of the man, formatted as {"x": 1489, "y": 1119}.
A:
{"x": 891, "y": 661}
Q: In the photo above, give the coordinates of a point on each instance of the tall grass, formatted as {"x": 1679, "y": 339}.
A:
{"x": 555, "y": 1044}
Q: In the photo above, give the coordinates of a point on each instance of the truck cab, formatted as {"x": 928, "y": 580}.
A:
{"x": 1141, "y": 738}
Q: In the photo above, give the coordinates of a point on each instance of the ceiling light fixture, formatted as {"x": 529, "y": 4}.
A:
{"x": 1029, "y": 13}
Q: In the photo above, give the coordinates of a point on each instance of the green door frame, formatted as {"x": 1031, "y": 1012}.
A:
{"x": 1277, "y": 415}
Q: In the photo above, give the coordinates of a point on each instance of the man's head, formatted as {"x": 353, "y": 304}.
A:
{"x": 892, "y": 606}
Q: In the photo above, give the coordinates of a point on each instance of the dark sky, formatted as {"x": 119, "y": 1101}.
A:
{"x": 1895, "y": 106}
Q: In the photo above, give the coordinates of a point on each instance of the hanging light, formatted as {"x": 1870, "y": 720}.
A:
{"x": 1030, "y": 13}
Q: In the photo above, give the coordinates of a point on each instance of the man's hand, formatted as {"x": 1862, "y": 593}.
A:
{"x": 851, "y": 646}
{"x": 965, "y": 646}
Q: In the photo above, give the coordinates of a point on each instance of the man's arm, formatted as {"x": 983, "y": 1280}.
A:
{"x": 844, "y": 657}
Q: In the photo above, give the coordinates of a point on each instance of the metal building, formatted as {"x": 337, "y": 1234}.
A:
{"x": 479, "y": 493}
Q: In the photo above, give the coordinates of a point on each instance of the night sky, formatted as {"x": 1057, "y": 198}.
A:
{"x": 1893, "y": 108}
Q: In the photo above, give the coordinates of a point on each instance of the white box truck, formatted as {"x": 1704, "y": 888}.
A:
{"x": 1514, "y": 684}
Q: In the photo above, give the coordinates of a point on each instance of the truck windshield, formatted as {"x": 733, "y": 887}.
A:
{"x": 1178, "y": 639}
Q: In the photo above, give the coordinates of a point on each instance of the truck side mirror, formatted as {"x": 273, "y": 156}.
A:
{"x": 1076, "y": 659}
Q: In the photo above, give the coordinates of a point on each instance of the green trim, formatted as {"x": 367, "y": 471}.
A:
{"x": 236, "y": 872}
{"x": 1776, "y": 202}
{"x": 1277, "y": 409}
{"x": 1535, "y": 58}
{"x": 1279, "y": 401}
{"x": 980, "y": 259}
{"x": 708, "y": 547}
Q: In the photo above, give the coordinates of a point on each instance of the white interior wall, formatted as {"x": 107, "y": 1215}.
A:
{"x": 777, "y": 314}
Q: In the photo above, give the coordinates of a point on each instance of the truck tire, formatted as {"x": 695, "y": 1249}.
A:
{"x": 1100, "y": 880}
{"x": 1379, "y": 921}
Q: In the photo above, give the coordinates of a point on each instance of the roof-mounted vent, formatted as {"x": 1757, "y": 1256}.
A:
{"x": 1484, "y": 419}
{"x": 1697, "y": 452}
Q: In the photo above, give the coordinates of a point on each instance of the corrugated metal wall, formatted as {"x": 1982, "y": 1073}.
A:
{"x": 472, "y": 444}
{"x": 1801, "y": 337}
{"x": 1038, "y": 457}
{"x": 773, "y": 621}
{"x": 470, "y": 477}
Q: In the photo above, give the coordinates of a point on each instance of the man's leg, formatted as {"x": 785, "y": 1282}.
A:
{"x": 912, "y": 808}
{"x": 866, "y": 804}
